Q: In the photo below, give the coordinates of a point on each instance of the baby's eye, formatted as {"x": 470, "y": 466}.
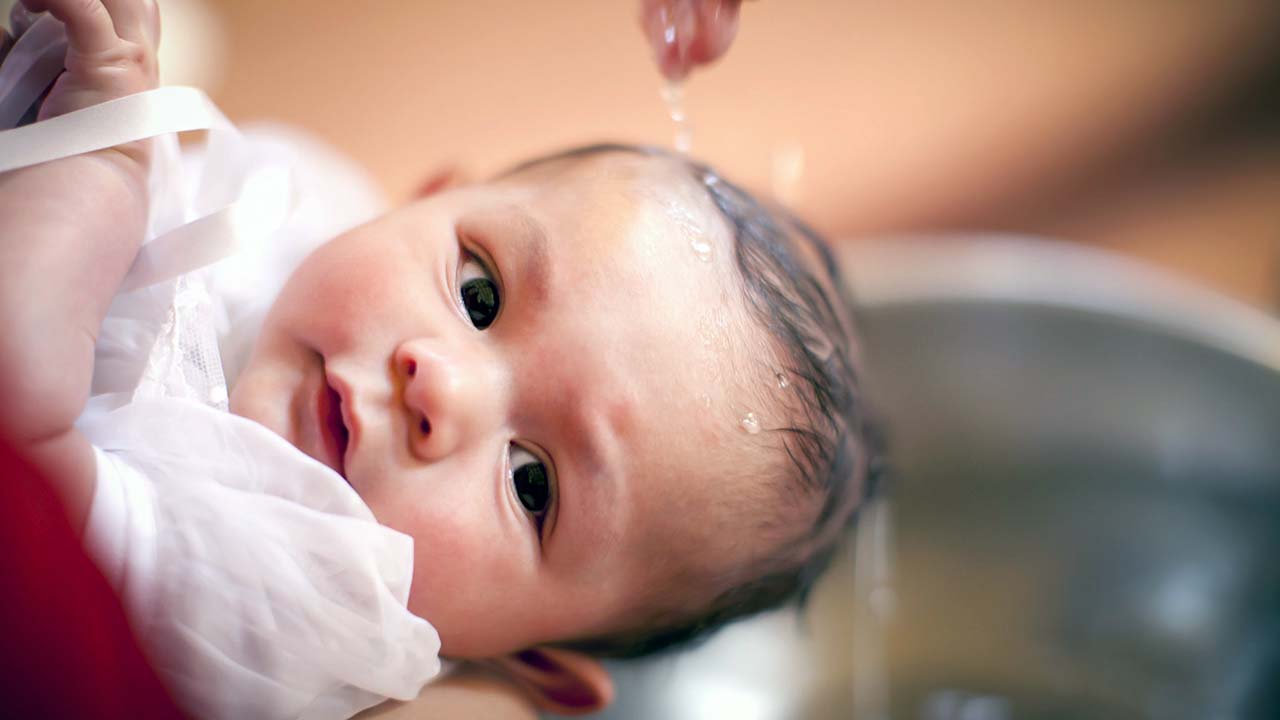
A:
{"x": 479, "y": 292}
{"x": 532, "y": 484}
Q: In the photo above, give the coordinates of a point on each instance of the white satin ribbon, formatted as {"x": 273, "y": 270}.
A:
{"x": 226, "y": 218}
{"x": 33, "y": 63}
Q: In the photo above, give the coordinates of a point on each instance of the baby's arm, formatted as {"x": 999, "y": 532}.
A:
{"x": 69, "y": 230}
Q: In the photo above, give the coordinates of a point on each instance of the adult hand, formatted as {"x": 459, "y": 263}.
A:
{"x": 687, "y": 33}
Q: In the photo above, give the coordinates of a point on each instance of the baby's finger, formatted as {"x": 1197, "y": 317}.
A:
{"x": 133, "y": 19}
{"x": 89, "y": 26}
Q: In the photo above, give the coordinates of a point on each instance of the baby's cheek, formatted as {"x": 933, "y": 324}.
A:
{"x": 454, "y": 583}
{"x": 373, "y": 301}
{"x": 449, "y": 553}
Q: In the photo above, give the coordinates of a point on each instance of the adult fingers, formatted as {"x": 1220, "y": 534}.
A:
{"x": 669, "y": 26}
{"x": 688, "y": 33}
{"x": 717, "y": 27}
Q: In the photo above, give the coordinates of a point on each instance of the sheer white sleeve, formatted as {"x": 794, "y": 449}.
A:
{"x": 256, "y": 578}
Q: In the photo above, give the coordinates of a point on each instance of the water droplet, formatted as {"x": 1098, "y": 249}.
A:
{"x": 672, "y": 92}
{"x": 673, "y": 96}
{"x": 684, "y": 138}
{"x": 783, "y": 382}
{"x": 702, "y": 248}
{"x": 750, "y": 423}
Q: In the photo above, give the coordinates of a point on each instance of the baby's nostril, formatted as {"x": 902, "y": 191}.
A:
{"x": 424, "y": 426}
{"x": 411, "y": 367}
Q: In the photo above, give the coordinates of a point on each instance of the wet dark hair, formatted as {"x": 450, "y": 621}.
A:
{"x": 834, "y": 448}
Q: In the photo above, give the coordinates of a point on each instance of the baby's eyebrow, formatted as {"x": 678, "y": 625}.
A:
{"x": 533, "y": 260}
{"x": 593, "y": 484}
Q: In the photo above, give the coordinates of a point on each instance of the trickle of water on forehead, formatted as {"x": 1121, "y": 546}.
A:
{"x": 750, "y": 423}
{"x": 691, "y": 228}
{"x": 701, "y": 248}
{"x": 673, "y": 95}
{"x": 783, "y": 382}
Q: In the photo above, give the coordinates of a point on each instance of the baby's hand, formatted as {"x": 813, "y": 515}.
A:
{"x": 79, "y": 221}
{"x": 111, "y": 51}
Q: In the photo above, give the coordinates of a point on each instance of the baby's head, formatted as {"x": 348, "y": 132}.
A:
{"x": 610, "y": 395}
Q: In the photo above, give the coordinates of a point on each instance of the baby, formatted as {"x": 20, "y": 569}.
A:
{"x": 610, "y": 396}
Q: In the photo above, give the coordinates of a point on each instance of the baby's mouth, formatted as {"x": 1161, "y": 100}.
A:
{"x": 333, "y": 429}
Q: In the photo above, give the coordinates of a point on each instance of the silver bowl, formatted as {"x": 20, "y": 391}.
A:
{"x": 1088, "y": 513}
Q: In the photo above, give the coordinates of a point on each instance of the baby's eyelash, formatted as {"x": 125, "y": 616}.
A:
{"x": 533, "y": 482}
{"x": 479, "y": 291}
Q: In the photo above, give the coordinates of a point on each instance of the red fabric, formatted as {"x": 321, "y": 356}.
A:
{"x": 66, "y": 650}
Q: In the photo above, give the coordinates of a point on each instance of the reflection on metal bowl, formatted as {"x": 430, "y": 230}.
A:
{"x": 1088, "y": 512}
{"x": 1087, "y": 506}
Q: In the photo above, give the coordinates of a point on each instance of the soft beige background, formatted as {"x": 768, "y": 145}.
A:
{"x": 1093, "y": 120}
{"x": 1070, "y": 118}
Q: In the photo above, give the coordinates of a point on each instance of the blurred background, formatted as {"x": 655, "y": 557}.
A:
{"x": 1086, "y": 517}
{"x": 1143, "y": 126}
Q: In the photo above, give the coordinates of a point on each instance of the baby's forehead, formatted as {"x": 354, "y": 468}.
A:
{"x": 723, "y": 338}
{"x": 638, "y": 220}
{"x": 714, "y": 330}
{"x": 600, "y": 162}
{"x": 641, "y": 177}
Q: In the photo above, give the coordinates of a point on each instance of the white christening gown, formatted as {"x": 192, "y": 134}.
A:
{"x": 256, "y": 579}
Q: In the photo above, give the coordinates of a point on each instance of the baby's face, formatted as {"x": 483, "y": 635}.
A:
{"x": 535, "y": 379}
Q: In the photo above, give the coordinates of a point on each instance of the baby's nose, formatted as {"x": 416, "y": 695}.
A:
{"x": 448, "y": 396}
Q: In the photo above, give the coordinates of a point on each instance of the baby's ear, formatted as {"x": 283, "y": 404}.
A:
{"x": 560, "y": 681}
